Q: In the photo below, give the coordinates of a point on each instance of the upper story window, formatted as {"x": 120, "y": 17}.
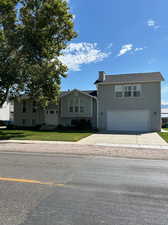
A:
{"x": 76, "y": 106}
{"x": 127, "y": 91}
{"x": 71, "y": 108}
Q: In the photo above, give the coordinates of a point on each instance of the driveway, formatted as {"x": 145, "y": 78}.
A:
{"x": 136, "y": 139}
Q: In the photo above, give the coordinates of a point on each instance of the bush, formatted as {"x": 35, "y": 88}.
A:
{"x": 165, "y": 125}
{"x": 1, "y": 123}
{"x": 10, "y": 126}
{"x": 61, "y": 127}
{"x": 81, "y": 124}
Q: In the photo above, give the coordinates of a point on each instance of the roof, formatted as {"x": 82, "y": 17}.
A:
{"x": 92, "y": 93}
{"x": 132, "y": 78}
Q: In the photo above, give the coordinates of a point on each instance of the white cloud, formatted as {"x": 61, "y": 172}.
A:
{"x": 138, "y": 49}
{"x": 129, "y": 48}
{"x": 164, "y": 91}
{"x": 164, "y": 103}
{"x": 77, "y": 54}
{"x": 110, "y": 45}
{"x": 125, "y": 48}
{"x": 152, "y": 23}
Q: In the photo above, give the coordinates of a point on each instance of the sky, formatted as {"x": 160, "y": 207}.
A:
{"x": 117, "y": 36}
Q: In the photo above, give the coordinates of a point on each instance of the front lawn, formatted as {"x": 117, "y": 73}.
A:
{"x": 164, "y": 135}
{"x": 6, "y": 134}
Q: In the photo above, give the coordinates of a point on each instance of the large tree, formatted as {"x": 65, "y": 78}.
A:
{"x": 32, "y": 37}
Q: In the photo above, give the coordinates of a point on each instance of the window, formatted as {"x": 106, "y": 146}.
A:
{"x": 76, "y": 108}
{"x": 24, "y": 106}
{"x": 137, "y": 91}
{"x": 118, "y": 91}
{"x": 51, "y": 112}
{"x": 33, "y": 121}
{"x": 76, "y": 105}
{"x": 81, "y": 109}
{"x": 127, "y": 91}
{"x": 71, "y": 106}
{"x": 34, "y": 107}
{"x": 23, "y": 121}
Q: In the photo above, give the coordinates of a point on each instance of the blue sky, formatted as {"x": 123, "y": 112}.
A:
{"x": 117, "y": 36}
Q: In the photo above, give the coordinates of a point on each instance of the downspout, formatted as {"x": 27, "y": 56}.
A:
{"x": 97, "y": 108}
{"x": 97, "y": 113}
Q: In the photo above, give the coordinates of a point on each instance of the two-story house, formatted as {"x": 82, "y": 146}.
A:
{"x": 127, "y": 102}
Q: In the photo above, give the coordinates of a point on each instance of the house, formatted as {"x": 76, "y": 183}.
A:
{"x": 7, "y": 112}
{"x": 127, "y": 102}
{"x": 73, "y": 105}
{"x": 164, "y": 117}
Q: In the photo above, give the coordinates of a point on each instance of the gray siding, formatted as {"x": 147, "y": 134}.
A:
{"x": 28, "y": 116}
{"x": 149, "y": 100}
{"x": 90, "y": 109}
{"x": 63, "y": 114}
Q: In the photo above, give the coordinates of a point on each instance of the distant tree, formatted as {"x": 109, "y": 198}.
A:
{"x": 32, "y": 37}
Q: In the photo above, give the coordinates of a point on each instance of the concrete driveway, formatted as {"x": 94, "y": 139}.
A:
{"x": 136, "y": 139}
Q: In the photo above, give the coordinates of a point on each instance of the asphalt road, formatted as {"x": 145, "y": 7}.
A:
{"x": 54, "y": 189}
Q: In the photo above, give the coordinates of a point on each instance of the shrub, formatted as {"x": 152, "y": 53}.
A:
{"x": 81, "y": 124}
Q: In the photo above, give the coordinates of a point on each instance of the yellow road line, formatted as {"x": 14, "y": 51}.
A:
{"x": 29, "y": 181}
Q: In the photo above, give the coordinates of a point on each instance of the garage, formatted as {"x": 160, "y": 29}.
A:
{"x": 131, "y": 120}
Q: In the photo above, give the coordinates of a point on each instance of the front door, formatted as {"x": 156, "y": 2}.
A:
{"x": 51, "y": 117}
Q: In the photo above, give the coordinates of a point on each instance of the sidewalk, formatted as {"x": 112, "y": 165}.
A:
{"x": 123, "y": 151}
{"x": 138, "y": 146}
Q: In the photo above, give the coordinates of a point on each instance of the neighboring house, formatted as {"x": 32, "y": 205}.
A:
{"x": 7, "y": 111}
{"x": 164, "y": 116}
{"x": 129, "y": 102}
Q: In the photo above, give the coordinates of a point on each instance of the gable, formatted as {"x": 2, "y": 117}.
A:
{"x": 76, "y": 104}
{"x": 91, "y": 93}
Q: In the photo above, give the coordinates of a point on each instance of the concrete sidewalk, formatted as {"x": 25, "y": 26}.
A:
{"x": 123, "y": 151}
{"x": 79, "y": 143}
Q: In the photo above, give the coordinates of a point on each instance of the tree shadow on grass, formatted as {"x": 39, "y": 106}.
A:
{"x": 9, "y": 135}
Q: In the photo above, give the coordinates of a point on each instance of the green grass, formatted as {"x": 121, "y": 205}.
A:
{"x": 6, "y": 134}
{"x": 164, "y": 135}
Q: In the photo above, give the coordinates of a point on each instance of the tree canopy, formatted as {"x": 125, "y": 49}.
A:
{"x": 32, "y": 37}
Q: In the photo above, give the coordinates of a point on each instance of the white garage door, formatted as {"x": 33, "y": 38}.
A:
{"x": 133, "y": 120}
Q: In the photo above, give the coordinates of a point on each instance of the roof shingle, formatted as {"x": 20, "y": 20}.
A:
{"x": 133, "y": 78}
